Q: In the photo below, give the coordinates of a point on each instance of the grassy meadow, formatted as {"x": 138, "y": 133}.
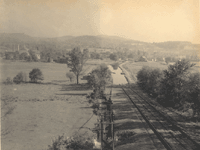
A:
{"x": 41, "y": 112}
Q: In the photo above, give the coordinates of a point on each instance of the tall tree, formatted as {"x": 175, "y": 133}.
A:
{"x": 174, "y": 81}
{"x": 99, "y": 79}
{"x": 76, "y": 61}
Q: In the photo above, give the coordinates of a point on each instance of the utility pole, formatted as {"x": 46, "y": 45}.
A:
{"x": 112, "y": 130}
{"x": 101, "y": 134}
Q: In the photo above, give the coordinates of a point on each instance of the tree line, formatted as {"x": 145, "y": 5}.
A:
{"x": 174, "y": 87}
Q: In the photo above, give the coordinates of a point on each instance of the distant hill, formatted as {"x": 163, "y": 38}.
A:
{"x": 15, "y": 37}
{"x": 12, "y": 40}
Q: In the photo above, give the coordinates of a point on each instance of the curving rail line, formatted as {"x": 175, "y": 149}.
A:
{"x": 170, "y": 135}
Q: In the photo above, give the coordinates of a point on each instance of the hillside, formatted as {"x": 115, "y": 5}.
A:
{"x": 11, "y": 41}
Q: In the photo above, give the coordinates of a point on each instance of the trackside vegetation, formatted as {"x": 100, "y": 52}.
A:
{"x": 174, "y": 87}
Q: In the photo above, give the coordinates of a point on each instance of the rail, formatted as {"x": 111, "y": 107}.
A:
{"x": 182, "y": 140}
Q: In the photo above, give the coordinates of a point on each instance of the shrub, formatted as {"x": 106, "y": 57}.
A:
{"x": 35, "y": 75}
{"x": 20, "y": 78}
{"x": 72, "y": 143}
{"x": 70, "y": 75}
{"x": 8, "y": 81}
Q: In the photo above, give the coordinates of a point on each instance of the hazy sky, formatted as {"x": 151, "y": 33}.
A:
{"x": 145, "y": 20}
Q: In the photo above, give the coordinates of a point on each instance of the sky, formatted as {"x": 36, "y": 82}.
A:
{"x": 144, "y": 20}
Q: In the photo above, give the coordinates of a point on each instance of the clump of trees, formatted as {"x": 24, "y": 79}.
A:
{"x": 76, "y": 61}
{"x": 192, "y": 92}
{"x": 149, "y": 80}
{"x": 35, "y": 75}
{"x": 8, "y": 81}
{"x": 99, "y": 79}
{"x": 113, "y": 57}
{"x": 174, "y": 83}
{"x": 174, "y": 87}
{"x": 21, "y": 77}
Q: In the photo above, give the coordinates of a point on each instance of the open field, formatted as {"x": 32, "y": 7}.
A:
{"x": 51, "y": 71}
{"x": 42, "y": 112}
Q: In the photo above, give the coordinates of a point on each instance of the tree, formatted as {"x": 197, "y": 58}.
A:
{"x": 16, "y": 55}
{"x": 76, "y": 61}
{"x": 149, "y": 79}
{"x": 99, "y": 78}
{"x": 192, "y": 92}
{"x": 172, "y": 85}
{"x": 114, "y": 57}
{"x": 9, "y": 55}
{"x": 20, "y": 78}
{"x": 86, "y": 53}
{"x": 23, "y": 56}
{"x": 33, "y": 55}
{"x": 35, "y": 75}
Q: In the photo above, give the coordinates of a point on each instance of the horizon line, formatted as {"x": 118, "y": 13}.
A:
{"x": 96, "y": 36}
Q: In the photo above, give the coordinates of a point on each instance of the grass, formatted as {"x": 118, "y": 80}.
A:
{"x": 43, "y": 111}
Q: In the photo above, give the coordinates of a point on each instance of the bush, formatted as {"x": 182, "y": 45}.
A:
{"x": 70, "y": 75}
{"x": 35, "y": 75}
{"x": 8, "y": 81}
{"x": 20, "y": 78}
{"x": 72, "y": 143}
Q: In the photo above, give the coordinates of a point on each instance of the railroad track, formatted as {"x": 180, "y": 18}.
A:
{"x": 182, "y": 121}
{"x": 166, "y": 129}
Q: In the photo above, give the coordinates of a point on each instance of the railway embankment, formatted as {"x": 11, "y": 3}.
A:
{"x": 131, "y": 130}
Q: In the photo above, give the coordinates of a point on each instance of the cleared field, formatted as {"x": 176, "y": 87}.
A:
{"x": 52, "y": 71}
{"x": 42, "y": 112}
